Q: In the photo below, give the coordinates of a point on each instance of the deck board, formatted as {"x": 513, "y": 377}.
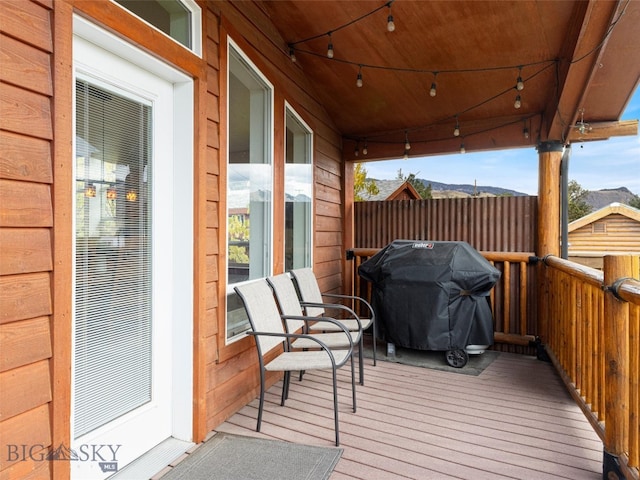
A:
{"x": 515, "y": 420}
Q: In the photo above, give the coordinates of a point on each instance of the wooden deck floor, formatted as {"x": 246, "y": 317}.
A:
{"x": 514, "y": 420}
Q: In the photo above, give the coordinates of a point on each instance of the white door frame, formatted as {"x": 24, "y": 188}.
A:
{"x": 173, "y": 233}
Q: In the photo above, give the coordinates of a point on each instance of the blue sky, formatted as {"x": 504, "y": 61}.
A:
{"x": 594, "y": 165}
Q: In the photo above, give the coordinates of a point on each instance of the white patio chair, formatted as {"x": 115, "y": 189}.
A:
{"x": 268, "y": 330}
{"x": 313, "y": 301}
{"x": 292, "y": 314}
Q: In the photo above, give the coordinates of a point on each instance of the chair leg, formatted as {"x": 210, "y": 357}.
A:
{"x": 353, "y": 384}
{"x": 285, "y": 387}
{"x": 335, "y": 404}
{"x": 375, "y": 336}
{"x": 261, "y": 404}
{"x": 361, "y": 359}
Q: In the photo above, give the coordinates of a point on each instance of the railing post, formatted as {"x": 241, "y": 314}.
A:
{"x": 616, "y": 351}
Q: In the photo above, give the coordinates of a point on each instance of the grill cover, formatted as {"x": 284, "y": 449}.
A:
{"x": 431, "y": 295}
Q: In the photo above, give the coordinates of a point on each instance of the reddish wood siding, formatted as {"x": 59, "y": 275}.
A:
{"x": 232, "y": 378}
{"x": 26, "y": 219}
{"x": 35, "y": 225}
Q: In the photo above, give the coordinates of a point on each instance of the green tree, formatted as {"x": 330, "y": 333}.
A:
{"x": 238, "y": 233}
{"x": 424, "y": 191}
{"x": 577, "y": 205}
{"x": 363, "y": 187}
{"x": 635, "y": 202}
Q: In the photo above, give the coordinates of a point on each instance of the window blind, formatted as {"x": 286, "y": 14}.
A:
{"x": 113, "y": 314}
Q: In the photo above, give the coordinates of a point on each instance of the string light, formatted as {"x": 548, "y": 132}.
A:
{"x": 462, "y": 149}
{"x": 519, "y": 82}
{"x": 406, "y": 155}
{"x": 390, "y": 25}
{"x": 330, "y": 47}
{"x": 407, "y": 145}
{"x": 525, "y": 121}
{"x": 356, "y": 150}
{"x": 518, "y": 102}
{"x": 432, "y": 90}
{"x": 525, "y": 130}
{"x": 519, "y": 86}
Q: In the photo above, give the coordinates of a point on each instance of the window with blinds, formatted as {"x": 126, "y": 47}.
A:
{"x": 113, "y": 315}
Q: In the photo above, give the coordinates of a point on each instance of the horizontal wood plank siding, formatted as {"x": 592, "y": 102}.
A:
{"x": 26, "y": 221}
{"x": 232, "y": 372}
{"x": 24, "y": 342}
{"x": 25, "y": 158}
{"x": 613, "y": 234}
{"x": 18, "y": 396}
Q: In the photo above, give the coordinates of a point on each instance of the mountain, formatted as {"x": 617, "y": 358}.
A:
{"x": 595, "y": 198}
{"x": 470, "y": 189}
{"x": 447, "y": 190}
{"x": 601, "y": 198}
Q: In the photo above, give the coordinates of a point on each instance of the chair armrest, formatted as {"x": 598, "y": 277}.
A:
{"x": 321, "y": 319}
{"x": 352, "y": 297}
{"x": 320, "y": 343}
{"x": 335, "y": 306}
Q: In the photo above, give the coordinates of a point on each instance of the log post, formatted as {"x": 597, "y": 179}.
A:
{"x": 548, "y": 235}
{"x": 616, "y": 352}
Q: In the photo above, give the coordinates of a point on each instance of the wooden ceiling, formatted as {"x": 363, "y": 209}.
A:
{"x": 580, "y": 62}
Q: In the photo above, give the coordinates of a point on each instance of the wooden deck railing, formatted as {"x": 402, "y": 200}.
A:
{"x": 592, "y": 335}
{"x": 589, "y": 323}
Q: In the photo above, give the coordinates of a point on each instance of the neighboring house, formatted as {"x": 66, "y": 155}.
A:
{"x": 611, "y": 230}
{"x": 394, "y": 190}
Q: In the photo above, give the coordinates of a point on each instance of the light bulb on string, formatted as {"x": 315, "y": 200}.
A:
{"x": 406, "y": 155}
{"x": 292, "y": 54}
{"x": 330, "y": 47}
{"x": 365, "y": 150}
{"x": 359, "y": 79}
{"x": 407, "y": 145}
{"x": 456, "y": 130}
{"x": 356, "y": 151}
{"x": 525, "y": 130}
{"x": 462, "y": 149}
{"x": 391, "y": 26}
{"x": 518, "y": 102}
{"x": 432, "y": 91}
{"x": 519, "y": 81}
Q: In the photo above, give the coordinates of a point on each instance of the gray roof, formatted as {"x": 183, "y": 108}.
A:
{"x": 385, "y": 188}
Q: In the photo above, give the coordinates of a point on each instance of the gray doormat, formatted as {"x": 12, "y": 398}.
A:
{"x": 234, "y": 457}
{"x": 432, "y": 359}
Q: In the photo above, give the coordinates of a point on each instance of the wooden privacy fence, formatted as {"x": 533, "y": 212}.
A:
{"x": 491, "y": 224}
{"x": 591, "y": 332}
{"x": 513, "y": 299}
